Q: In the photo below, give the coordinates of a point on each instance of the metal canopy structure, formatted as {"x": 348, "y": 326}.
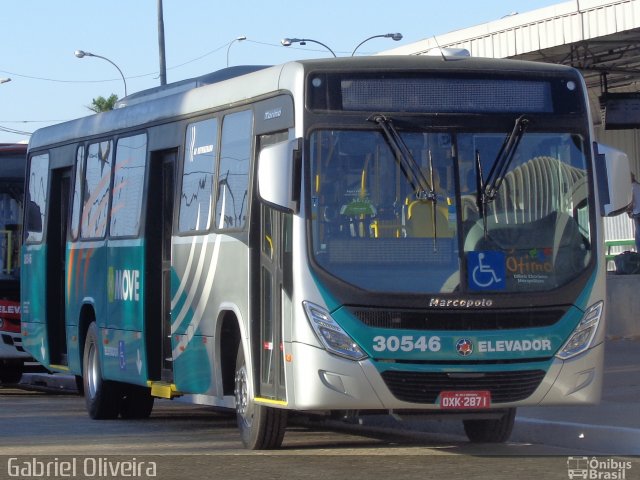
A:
{"x": 599, "y": 37}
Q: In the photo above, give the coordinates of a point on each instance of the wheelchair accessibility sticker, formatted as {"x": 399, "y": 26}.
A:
{"x": 486, "y": 270}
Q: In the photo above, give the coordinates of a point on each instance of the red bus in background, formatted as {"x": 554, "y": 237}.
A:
{"x": 12, "y": 168}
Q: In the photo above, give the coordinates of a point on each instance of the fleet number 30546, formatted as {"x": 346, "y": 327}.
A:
{"x": 406, "y": 343}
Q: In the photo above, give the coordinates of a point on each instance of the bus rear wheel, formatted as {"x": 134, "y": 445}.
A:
{"x": 102, "y": 397}
{"x": 261, "y": 427}
{"x": 491, "y": 431}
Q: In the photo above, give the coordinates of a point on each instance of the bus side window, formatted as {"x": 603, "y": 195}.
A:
{"x": 128, "y": 185}
{"x": 233, "y": 178}
{"x": 37, "y": 201}
{"x": 200, "y": 158}
{"x": 77, "y": 194}
{"x": 97, "y": 191}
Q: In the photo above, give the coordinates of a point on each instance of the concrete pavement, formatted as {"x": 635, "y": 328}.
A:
{"x": 610, "y": 428}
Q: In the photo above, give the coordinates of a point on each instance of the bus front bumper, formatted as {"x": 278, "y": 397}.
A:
{"x": 322, "y": 381}
{"x": 11, "y": 346}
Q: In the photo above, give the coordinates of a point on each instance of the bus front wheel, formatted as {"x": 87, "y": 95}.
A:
{"x": 261, "y": 427}
{"x": 101, "y": 396}
{"x": 491, "y": 431}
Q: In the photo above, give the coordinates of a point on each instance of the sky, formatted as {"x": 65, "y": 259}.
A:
{"x": 50, "y": 85}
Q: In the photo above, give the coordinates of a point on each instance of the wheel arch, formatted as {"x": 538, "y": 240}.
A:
{"x": 229, "y": 334}
{"x": 86, "y": 317}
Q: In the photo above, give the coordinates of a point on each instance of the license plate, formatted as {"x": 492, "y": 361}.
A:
{"x": 465, "y": 400}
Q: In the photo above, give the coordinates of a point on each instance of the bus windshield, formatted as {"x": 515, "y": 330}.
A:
{"x": 10, "y": 231}
{"x": 466, "y": 221}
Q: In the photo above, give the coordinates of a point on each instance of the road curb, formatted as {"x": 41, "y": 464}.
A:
{"x": 51, "y": 383}
{"x": 581, "y": 436}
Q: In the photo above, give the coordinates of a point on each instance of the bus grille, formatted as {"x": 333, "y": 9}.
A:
{"x": 424, "y": 387}
{"x": 459, "y": 320}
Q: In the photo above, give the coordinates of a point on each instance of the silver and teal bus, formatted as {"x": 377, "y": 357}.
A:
{"x": 416, "y": 235}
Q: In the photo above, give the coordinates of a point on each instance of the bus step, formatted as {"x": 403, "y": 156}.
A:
{"x": 163, "y": 390}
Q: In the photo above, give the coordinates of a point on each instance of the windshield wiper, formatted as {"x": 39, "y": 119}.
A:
{"x": 424, "y": 188}
{"x": 488, "y": 189}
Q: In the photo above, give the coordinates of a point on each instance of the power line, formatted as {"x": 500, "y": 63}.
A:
{"x": 151, "y": 74}
{"x": 12, "y": 130}
{"x": 59, "y": 80}
{"x": 32, "y": 121}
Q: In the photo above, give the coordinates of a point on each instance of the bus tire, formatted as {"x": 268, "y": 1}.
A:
{"x": 136, "y": 402}
{"x": 261, "y": 427}
{"x": 101, "y": 397}
{"x": 491, "y": 431}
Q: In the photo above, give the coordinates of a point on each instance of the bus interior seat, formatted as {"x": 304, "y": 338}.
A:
{"x": 420, "y": 222}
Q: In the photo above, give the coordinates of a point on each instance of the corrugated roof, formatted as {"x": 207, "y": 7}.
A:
{"x": 599, "y": 37}
{"x": 541, "y": 29}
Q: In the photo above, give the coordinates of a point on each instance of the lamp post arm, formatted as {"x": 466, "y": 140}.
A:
{"x": 121, "y": 74}
{"x": 320, "y": 43}
{"x": 286, "y": 42}
{"x": 393, "y": 36}
{"x": 364, "y": 41}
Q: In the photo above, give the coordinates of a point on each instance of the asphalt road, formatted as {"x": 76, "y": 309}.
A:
{"x": 186, "y": 441}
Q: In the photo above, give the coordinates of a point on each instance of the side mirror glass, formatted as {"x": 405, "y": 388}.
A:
{"x": 278, "y": 175}
{"x": 614, "y": 180}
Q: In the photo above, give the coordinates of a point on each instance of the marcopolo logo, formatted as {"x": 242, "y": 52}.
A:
{"x": 123, "y": 285}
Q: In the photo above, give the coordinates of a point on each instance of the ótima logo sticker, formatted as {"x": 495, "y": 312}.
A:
{"x": 486, "y": 270}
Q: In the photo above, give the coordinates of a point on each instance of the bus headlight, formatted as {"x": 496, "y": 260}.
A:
{"x": 582, "y": 336}
{"x": 331, "y": 335}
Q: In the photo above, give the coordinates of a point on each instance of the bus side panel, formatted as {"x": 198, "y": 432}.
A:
{"x": 33, "y": 287}
{"x": 210, "y": 276}
{"x": 86, "y": 275}
{"x": 124, "y": 346}
{"x": 73, "y": 304}
{"x": 191, "y": 328}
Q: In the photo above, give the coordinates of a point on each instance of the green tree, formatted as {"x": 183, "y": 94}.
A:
{"x": 102, "y": 104}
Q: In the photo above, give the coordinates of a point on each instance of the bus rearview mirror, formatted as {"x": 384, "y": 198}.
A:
{"x": 614, "y": 180}
{"x": 279, "y": 175}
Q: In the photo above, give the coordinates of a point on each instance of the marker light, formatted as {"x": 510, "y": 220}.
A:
{"x": 583, "y": 334}
{"x": 330, "y": 334}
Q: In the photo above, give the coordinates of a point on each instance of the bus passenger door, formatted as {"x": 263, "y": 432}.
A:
{"x": 274, "y": 295}
{"x": 56, "y": 263}
{"x": 159, "y": 227}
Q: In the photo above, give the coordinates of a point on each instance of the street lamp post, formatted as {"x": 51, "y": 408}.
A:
{"x": 393, "y": 36}
{"x": 238, "y": 39}
{"x": 5, "y": 80}
{"x": 286, "y": 42}
{"x": 81, "y": 54}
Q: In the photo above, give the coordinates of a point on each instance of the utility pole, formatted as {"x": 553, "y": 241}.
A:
{"x": 163, "y": 63}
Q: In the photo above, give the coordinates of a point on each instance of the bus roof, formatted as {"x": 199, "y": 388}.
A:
{"x": 12, "y": 160}
{"x": 237, "y": 84}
